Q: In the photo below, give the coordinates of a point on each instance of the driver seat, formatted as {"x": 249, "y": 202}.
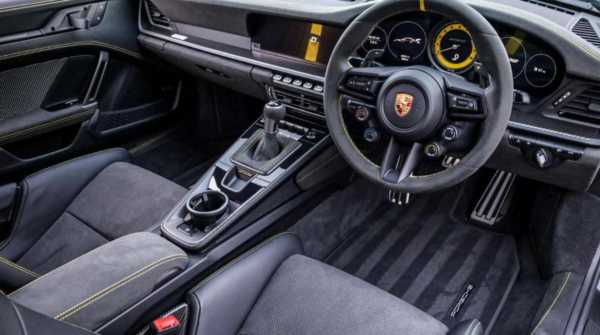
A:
{"x": 273, "y": 289}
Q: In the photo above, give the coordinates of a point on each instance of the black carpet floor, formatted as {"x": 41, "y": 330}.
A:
{"x": 420, "y": 255}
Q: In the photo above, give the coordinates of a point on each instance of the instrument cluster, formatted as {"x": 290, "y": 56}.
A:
{"x": 432, "y": 40}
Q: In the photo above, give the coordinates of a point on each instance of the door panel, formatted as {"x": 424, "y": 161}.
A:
{"x": 77, "y": 87}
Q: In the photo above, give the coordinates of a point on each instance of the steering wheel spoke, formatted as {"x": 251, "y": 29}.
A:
{"x": 400, "y": 161}
{"x": 465, "y": 101}
{"x": 364, "y": 83}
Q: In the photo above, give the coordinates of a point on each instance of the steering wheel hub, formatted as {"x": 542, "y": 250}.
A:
{"x": 411, "y": 103}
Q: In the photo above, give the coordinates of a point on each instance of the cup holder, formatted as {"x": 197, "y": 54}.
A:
{"x": 206, "y": 208}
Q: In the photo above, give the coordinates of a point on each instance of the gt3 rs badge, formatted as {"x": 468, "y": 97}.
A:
{"x": 403, "y": 104}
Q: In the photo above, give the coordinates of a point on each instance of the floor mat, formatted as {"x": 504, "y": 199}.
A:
{"x": 451, "y": 271}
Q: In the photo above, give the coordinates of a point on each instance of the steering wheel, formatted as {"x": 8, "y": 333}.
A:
{"x": 430, "y": 93}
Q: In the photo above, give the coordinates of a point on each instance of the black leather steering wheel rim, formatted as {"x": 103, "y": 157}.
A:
{"x": 498, "y": 100}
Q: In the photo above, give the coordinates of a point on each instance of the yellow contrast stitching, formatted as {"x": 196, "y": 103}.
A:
{"x": 271, "y": 162}
{"x": 18, "y": 267}
{"x": 530, "y": 18}
{"x": 67, "y": 45}
{"x": 76, "y": 326}
{"x": 230, "y": 264}
{"x": 32, "y": 5}
{"x": 152, "y": 140}
{"x": 562, "y": 287}
{"x": 248, "y": 147}
{"x": 2, "y": 292}
{"x": 116, "y": 286}
{"x": 110, "y": 243}
{"x": 46, "y": 125}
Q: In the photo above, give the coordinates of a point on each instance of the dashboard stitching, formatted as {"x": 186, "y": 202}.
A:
{"x": 556, "y": 31}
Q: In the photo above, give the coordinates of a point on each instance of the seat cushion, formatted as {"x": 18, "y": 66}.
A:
{"x": 308, "y": 297}
{"x": 122, "y": 199}
{"x": 125, "y": 199}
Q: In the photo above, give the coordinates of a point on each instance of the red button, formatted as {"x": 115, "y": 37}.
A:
{"x": 166, "y": 323}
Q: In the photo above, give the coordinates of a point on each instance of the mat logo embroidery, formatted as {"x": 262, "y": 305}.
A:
{"x": 463, "y": 299}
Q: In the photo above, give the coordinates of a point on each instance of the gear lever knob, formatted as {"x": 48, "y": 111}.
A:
{"x": 273, "y": 112}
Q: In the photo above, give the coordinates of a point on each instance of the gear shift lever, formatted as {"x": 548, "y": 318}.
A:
{"x": 268, "y": 147}
{"x": 273, "y": 112}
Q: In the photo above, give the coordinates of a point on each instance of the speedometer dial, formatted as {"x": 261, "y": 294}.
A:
{"x": 453, "y": 49}
{"x": 407, "y": 41}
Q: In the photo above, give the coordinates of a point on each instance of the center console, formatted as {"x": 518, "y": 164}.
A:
{"x": 272, "y": 149}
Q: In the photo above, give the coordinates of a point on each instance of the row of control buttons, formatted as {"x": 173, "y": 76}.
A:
{"x": 298, "y": 82}
{"x": 366, "y": 85}
{"x": 561, "y": 99}
{"x": 464, "y": 103}
{"x": 567, "y": 151}
{"x": 293, "y": 128}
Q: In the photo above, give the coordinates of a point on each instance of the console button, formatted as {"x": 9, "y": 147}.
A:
{"x": 311, "y": 135}
{"x": 362, "y": 114}
{"x": 97, "y": 19}
{"x": 101, "y": 7}
{"x": 371, "y": 135}
{"x": 318, "y": 88}
{"x": 187, "y": 229}
{"x": 300, "y": 130}
{"x": 287, "y": 80}
{"x": 277, "y": 77}
{"x": 297, "y": 82}
{"x": 308, "y": 85}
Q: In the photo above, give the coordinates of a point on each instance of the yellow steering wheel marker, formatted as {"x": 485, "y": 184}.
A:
{"x": 439, "y": 52}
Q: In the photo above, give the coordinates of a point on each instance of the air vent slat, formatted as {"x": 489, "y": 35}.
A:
{"x": 549, "y": 6}
{"x": 584, "y": 107}
{"x": 156, "y": 17}
{"x": 584, "y": 29}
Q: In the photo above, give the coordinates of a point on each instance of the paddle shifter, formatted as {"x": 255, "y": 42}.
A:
{"x": 268, "y": 147}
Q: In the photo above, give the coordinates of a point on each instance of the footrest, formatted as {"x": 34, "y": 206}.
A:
{"x": 489, "y": 209}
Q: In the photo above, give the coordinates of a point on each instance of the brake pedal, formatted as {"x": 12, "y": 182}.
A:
{"x": 489, "y": 209}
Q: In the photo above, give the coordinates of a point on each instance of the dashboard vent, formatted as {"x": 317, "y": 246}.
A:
{"x": 300, "y": 101}
{"x": 549, "y": 6}
{"x": 585, "y": 107}
{"x": 156, "y": 17}
{"x": 584, "y": 29}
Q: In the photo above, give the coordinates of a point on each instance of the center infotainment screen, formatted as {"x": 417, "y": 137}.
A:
{"x": 309, "y": 42}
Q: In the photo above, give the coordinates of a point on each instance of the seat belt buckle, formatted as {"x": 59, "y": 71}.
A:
{"x": 167, "y": 325}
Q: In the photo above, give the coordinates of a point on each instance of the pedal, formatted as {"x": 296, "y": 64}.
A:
{"x": 490, "y": 208}
{"x": 450, "y": 161}
{"x": 399, "y": 198}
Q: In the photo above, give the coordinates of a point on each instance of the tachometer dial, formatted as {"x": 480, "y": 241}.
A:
{"x": 407, "y": 41}
{"x": 453, "y": 49}
{"x": 516, "y": 55}
{"x": 376, "y": 40}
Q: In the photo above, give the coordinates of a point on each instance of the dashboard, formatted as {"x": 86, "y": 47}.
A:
{"x": 279, "y": 49}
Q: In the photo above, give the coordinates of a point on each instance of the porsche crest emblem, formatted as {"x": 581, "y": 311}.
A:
{"x": 403, "y": 104}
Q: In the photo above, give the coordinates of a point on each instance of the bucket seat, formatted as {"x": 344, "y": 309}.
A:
{"x": 72, "y": 208}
